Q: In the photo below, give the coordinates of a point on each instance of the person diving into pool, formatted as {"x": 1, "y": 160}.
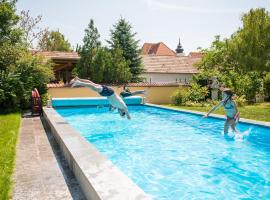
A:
{"x": 230, "y": 108}
{"x": 127, "y": 93}
{"x": 114, "y": 100}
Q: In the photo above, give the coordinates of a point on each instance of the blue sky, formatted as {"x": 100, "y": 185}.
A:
{"x": 196, "y": 22}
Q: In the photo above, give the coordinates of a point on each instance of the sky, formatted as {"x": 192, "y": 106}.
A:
{"x": 195, "y": 22}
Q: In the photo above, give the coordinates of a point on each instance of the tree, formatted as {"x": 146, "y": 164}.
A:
{"x": 250, "y": 45}
{"x": 109, "y": 66}
{"x": 10, "y": 36}
{"x": 120, "y": 70}
{"x": 242, "y": 60}
{"x": 9, "y": 32}
{"x": 88, "y": 51}
{"x": 32, "y": 32}
{"x": 53, "y": 41}
{"x": 123, "y": 38}
{"x": 19, "y": 70}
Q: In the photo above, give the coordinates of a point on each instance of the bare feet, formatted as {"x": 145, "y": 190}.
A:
{"x": 73, "y": 80}
{"x": 75, "y": 83}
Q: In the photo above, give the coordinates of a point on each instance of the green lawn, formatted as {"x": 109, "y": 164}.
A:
{"x": 9, "y": 126}
{"x": 259, "y": 112}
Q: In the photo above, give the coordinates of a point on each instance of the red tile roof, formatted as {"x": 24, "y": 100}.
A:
{"x": 58, "y": 55}
{"x": 158, "y": 49}
{"x": 160, "y": 63}
{"x": 170, "y": 64}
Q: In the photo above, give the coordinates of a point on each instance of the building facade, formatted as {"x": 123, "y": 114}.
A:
{"x": 162, "y": 64}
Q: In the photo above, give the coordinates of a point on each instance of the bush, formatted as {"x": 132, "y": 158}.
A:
{"x": 241, "y": 101}
{"x": 194, "y": 104}
{"x": 266, "y": 82}
{"x": 196, "y": 93}
{"x": 178, "y": 97}
{"x": 17, "y": 83}
{"x": 45, "y": 97}
{"x": 249, "y": 85}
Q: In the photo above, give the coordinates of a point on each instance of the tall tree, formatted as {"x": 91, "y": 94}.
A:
{"x": 123, "y": 38}
{"x": 53, "y": 41}
{"x": 88, "y": 51}
{"x": 10, "y": 36}
{"x": 9, "y": 32}
{"x": 250, "y": 45}
{"x": 20, "y": 71}
{"x": 32, "y": 31}
{"x": 109, "y": 66}
{"x": 242, "y": 60}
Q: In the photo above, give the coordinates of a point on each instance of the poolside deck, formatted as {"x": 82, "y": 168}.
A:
{"x": 41, "y": 171}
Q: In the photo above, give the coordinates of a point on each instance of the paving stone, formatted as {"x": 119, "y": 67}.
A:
{"x": 39, "y": 173}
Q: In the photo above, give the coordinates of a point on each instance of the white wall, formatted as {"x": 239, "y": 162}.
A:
{"x": 166, "y": 77}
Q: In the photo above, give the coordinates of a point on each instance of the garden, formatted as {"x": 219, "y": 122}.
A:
{"x": 241, "y": 63}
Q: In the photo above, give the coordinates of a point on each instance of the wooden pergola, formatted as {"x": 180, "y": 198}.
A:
{"x": 63, "y": 63}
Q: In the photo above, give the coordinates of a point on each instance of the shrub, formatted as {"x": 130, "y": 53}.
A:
{"x": 178, "y": 97}
{"x": 194, "y": 104}
{"x": 17, "y": 83}
{"x": 196, "y": 93}
{"x": 249, "y": 84}
{"x": 45, "y": 97}
{"x": 266, "y": 82}
{"x": 241, "y": 101}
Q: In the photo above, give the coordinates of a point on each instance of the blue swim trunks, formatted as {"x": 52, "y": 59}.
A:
{"x": 106, "y": 91}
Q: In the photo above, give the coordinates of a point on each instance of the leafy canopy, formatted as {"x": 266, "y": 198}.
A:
{"x": 53, "y": 41}
{"x": 123, "y": 38}
{"x": 241, "y": 61}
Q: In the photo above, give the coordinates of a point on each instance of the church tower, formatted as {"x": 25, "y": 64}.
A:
{"x": 179, "y": 50}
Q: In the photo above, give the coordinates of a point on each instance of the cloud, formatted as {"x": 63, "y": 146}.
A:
{"x": 155, "y": 4}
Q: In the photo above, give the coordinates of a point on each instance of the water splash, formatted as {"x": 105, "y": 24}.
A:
{"x": 240, "y": 136}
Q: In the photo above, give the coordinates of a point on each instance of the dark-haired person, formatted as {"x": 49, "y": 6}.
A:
{"x": 230, "y": 108}
{"x": 114, "y": 100}
{"x": 127, "y": 93}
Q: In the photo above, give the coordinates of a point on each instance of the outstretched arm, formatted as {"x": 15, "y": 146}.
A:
{"x": 213, "y": 109}
{"x": 138, "y": 92}
{"x": 128, "y": 116}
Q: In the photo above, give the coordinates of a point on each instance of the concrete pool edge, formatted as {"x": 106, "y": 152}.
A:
{"x": 97, "y": 176}
{"x": 242, "y": 120}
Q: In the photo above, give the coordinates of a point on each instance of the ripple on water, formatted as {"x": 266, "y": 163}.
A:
{"x": 173, "y": 155}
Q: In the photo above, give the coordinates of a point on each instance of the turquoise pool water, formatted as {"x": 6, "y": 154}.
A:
{"x": 173, "y": 155}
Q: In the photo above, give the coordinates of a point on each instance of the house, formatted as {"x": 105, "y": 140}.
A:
{"x": 157, "y": 49}
{"x": 178, "y": 69}
{"x": 162, "y": 64}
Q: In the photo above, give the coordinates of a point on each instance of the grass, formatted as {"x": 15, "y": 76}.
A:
{"x": 9, "y": 126}
{"x": 259, "y": 112}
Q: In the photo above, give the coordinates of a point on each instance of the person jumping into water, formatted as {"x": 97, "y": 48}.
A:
{"x": 114, "y": 100}
{"x": 230, "y": 108}
{"x": 127, "y": 93}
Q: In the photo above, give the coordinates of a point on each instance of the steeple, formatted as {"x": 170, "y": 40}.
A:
{"x": 179, "y": 48}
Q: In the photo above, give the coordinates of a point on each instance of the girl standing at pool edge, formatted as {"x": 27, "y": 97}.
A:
{"x": 230, "y": 108}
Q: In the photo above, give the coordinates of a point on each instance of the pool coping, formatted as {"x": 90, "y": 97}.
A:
{"x": 217, "y": 116}
{"x": 97, "y": 176}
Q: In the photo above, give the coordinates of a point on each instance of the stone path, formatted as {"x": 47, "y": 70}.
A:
{"x": 41, "y": 170}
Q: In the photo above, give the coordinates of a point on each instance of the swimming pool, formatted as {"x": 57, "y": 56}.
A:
{"x": 175, "y": 155}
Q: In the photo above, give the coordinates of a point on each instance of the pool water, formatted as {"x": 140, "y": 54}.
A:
{"x": 174, "y": 155}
